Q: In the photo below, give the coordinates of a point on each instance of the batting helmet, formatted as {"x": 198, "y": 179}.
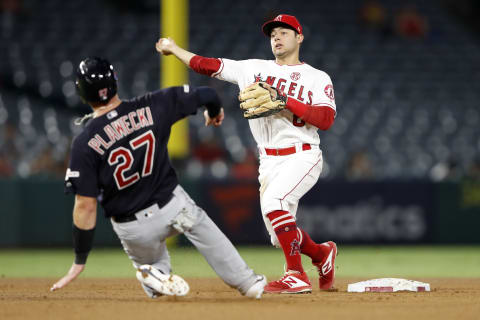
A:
{"x": 96, "y": 80}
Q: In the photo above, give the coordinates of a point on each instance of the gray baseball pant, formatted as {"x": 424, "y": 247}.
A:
{"x": 144, "y": 240}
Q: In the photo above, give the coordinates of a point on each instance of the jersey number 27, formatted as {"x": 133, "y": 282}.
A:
{"x": 123, "y": 159}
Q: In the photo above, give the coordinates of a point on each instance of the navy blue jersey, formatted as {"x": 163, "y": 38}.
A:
{"x": 121, "y": 157}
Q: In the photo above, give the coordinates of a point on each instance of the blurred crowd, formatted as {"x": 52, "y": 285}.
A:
{"x": 405, "y": 22}
{"x": 207, "y": 158}
{"x": 16, "y": 160}
{"x": 361, "y": 168}
{"x": 25, "y": 152}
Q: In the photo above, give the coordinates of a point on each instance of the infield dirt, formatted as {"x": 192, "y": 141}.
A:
{"x": 211, "y": 299}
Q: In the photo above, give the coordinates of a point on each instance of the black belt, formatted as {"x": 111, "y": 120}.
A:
{"x": 133, "y": 217}
{"x": 123, "y": 219}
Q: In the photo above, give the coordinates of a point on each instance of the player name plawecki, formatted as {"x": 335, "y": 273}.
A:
{"x": 121, "y": 128}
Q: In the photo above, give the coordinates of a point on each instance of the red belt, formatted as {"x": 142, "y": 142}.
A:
{"x": 286, "y": 151}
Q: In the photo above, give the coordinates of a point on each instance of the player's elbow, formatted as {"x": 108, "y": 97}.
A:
{"x": 327, "y": 123}
{"x": 204, "y": 65}
{"x": 87, "y": 205}
{"x": 326, "y": 117}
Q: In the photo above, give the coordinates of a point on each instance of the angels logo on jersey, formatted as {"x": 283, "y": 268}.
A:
{"x": 295, "y": 76}
{"x": 291, "y": 89}
{"x": 329, "y": 92}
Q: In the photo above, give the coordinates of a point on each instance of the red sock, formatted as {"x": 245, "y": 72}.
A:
{"x": 307, "y": 246}
{"x": 285, "y": 228}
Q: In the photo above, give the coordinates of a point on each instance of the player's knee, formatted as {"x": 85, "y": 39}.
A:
{"x": 274, "y": 204}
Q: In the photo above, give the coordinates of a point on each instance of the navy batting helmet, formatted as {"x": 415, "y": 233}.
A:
{"x": 96, "y": 80}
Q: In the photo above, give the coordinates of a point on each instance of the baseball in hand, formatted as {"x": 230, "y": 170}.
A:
{"x": 162, "y": 46}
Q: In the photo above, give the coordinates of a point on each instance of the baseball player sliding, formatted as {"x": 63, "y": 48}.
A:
{"x": 286, "y": 102}
{"x": 121, "y": 159}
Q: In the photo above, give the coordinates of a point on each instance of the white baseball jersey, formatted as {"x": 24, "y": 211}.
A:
{"x": 301, "y": 82}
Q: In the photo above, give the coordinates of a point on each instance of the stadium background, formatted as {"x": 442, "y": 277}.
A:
{"x": 402, "y": 161}
{"x": 400, "y": 192}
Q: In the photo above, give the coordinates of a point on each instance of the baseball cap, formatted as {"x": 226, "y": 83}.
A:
{"x": 282, "y": 20}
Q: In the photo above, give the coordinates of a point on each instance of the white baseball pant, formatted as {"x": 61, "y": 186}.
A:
{"x": 285, "y": 179}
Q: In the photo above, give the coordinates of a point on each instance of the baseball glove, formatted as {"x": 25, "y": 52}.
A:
{"x": 261, "y": 100}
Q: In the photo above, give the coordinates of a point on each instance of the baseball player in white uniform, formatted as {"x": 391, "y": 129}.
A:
{"x": 288, "y": 142}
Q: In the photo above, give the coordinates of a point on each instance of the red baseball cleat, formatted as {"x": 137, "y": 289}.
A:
{"x": 326, "y": 267}
{"x": 292, "y": 282}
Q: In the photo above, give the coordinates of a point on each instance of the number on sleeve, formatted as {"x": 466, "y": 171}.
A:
{"x": 123, "y": 159}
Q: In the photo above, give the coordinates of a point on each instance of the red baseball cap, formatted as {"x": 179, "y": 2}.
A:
{"x": 282, "y": 20}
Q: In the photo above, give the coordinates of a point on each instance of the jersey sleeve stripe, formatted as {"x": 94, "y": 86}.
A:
{"x": 219, "y": 69}
{"x": 324, "y": 105}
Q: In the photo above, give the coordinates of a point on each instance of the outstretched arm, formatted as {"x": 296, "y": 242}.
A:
{"x": 199, "y": 64}
{"x": 84, "y": 221}
{"x": 167, "y": 46}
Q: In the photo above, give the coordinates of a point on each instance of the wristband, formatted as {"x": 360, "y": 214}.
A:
{"x": 82, "y": 243}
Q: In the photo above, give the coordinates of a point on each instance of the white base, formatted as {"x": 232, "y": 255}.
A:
{"x": 388, "y": 285}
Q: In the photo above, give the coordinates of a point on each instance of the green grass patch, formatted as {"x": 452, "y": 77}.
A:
{"x": 353, "y": 261}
